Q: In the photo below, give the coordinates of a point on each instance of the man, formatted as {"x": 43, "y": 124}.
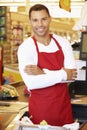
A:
{"x": 45, "y": 63}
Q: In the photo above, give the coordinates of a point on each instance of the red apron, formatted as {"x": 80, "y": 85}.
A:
{"x": 52, "y": 103}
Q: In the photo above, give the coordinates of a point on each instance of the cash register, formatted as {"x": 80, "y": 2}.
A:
{"x": 79, "y": 87}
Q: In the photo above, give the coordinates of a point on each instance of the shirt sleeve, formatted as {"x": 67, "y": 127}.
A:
{"x": 27, "y": 55}
{"x": 69, "y": 60}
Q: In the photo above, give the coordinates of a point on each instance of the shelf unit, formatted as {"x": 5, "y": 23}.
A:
{"x": 2, "y": 24}
{"x": 5, "y": 33}
{"x": 16, "y": 40}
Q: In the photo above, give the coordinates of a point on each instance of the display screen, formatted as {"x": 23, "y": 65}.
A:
{"x": 83, "y": 48}
{"x": 84, "y": 43}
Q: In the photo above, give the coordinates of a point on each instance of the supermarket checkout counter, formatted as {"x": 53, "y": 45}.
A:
{"x": 79, "y": 105}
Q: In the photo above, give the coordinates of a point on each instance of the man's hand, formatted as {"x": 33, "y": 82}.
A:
{"x": 71, "y": 73}
{"x": 33, "y": 70}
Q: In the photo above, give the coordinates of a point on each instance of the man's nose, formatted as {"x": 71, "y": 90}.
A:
{"x": 39, "y": 22}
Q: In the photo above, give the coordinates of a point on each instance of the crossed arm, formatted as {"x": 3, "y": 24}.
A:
{"x": 35, "y": 70}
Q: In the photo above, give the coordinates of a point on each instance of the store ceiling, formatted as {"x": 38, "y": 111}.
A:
{"x": 55, "y": 10}
{"x": 22, "y": 6}
{"x": 57, "y": 13}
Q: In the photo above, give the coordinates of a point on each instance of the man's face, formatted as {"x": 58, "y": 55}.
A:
{"x": 40, "y": 22}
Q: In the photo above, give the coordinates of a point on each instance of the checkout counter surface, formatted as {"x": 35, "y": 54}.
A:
{"x": 79, "y": 99}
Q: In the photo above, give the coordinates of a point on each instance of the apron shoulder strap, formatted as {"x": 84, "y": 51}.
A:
{"x": 57, "y": 43}
{"x": 35, "y": 43}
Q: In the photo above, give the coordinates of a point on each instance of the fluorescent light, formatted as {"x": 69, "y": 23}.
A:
{"x": 13, "y": 9}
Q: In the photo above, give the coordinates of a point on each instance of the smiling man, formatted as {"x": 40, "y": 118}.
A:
{"x": 46, "y": 62}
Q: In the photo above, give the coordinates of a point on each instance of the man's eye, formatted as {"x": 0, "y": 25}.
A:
{"x": 35, "y": 20}
{"x": 44, "y": 19}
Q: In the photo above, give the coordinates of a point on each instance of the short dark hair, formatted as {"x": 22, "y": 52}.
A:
{"x": 38, "y": 7}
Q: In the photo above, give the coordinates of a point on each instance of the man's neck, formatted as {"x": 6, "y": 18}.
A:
{"x": 43, "y": 40}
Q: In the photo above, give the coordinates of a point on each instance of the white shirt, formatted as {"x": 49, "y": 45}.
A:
{"x": 27, "y": 55}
